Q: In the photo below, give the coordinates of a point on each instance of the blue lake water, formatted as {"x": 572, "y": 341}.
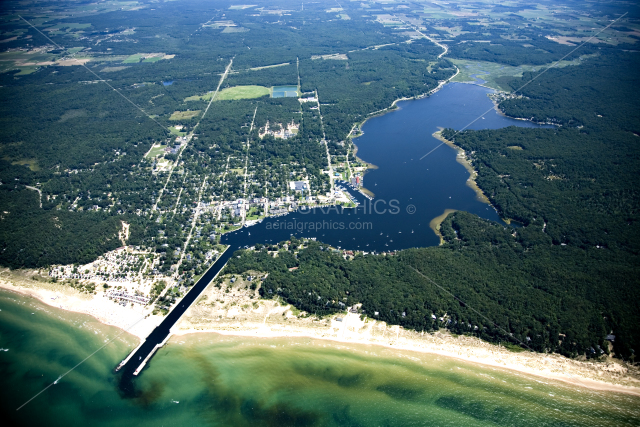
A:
{"x": 284, "y": 92}
{"x": 409, "y": 192}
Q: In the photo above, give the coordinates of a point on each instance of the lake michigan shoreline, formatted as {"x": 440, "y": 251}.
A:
{"x": 467, "y": 349}
{"x": 351, "y": 330}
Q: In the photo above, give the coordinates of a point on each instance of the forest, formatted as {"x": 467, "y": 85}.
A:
{"x": 563, "y": 279}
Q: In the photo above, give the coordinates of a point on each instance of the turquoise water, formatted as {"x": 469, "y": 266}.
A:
{"x": 284, "y": 91}
{"x": 208, "y": 379}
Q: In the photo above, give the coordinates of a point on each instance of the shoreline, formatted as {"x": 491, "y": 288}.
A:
{"x": 464, "y": 161}
{"x": 468, "y": 349}
{"x": 394, "y": 107}
{"x": 435, "y": 223}
{"x": 237, "y": 310}
{"x": 136, "y": 321}
{"x": 272, "y": 320}
{"x": 583, "y": 382}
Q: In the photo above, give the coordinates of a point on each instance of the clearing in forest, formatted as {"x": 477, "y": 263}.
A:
{"x": 242, "y": 92}
{"x": 184, "y": 115}
{"x": 155, "y": 151}
{"x": 231, "y": 93}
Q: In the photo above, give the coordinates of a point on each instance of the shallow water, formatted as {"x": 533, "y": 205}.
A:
{"x": 208, "y": 379}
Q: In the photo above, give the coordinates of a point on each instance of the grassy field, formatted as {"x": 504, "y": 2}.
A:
{"x": 155, "y": 151}
{"x": 175, "y": 131}
{"x": 133, "y": 59}
{"x": 228, "y": 30}
{"x": 184, "y": 115}
{"x": 30, "y": 163}
{"x": 242, "y": 92}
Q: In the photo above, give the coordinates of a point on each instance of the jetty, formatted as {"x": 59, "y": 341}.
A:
{"x": 135, "y": 362}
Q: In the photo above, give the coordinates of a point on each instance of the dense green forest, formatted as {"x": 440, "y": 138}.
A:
{"x": 564, "y": 279}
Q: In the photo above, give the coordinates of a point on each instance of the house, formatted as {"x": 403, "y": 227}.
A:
{"x": 298, "y": 186}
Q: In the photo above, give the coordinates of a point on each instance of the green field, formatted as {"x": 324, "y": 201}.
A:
{"x": 66, "y": 27}
{"x": 177, "y": 132}
{"x": 184, "y": 115}
{"x": 133, "y": 59}
{"x": 30, "y": 163}
{"x": 242, "y": 92}
{"x": 155, "y": 151}
{"x": 228, "y": 30}
{"x": 204, "y": 97}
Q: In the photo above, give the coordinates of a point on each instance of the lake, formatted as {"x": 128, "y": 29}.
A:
{"x": 409, "y": 192}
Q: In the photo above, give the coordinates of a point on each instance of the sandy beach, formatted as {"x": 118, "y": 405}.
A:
{"x": 135, "y": 320}
{"x": 236, "y": 309}
{"x": 240, "y": 312}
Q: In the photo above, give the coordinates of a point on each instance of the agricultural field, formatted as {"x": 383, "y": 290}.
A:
{"x": 67, "y": 28}
{"x": 184, "y": 115}
{"x": 240, "y": 92}
{"x": 133, "y": 59}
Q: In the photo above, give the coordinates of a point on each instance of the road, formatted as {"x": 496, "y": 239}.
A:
{"x": 326, "y": 146}
{"x": 246, "y": 164}
{"x": 190, "y": 136}
{"x": 196, "y": 213}
{"x": 442, "y": 46}
{"x": 39, "y": 193}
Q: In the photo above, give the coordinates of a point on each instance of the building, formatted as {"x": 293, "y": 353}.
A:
{"x": 298, "y": 186}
